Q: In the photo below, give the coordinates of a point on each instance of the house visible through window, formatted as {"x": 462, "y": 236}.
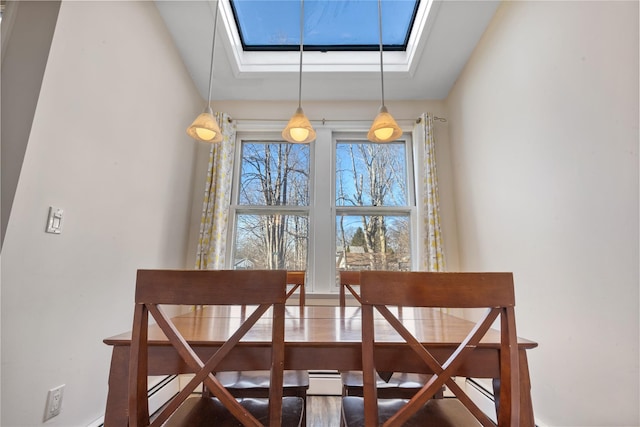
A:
{"x": 372, "y": 208}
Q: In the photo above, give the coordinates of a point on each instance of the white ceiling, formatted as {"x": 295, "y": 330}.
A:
{"x": 450, "y": 31}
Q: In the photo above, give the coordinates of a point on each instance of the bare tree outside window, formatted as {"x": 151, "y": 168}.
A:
{"x": 272, "y": 218}
{"x": 283, "y": 192}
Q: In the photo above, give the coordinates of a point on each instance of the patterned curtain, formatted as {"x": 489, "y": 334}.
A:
{"x": 217, "y": 198}
{"x": 433, "y": 259}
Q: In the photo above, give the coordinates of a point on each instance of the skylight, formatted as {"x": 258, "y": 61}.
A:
{"x": 335, "y": 25}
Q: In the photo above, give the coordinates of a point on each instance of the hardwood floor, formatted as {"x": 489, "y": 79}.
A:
{"x": 323, "y": 411}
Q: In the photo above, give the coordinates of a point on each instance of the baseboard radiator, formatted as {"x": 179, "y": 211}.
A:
{"x": 324, "y": 383}
{"x": 481, "y": 391}
{"x": 160, "y": 391}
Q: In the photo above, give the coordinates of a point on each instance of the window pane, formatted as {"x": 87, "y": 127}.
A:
{"x": 373, "y": 242}
{"x": 271, "y": 242}
{"x": 370, "y": 174}
{"x": 274, "y": 174}
{"x": 328, "y": 25}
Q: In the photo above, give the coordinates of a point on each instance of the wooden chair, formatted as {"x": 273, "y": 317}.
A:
{"x": 348, "y": 279}
{"x": 297, "y": 279}
{"x": 256, "y": 383}
{"x": 492, "y": 291}
{"x": 394, "y": 385}
{"x": 266, "y": 289}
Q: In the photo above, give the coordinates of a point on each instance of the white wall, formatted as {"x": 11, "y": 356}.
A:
{"x": 107, "y": 145}
{"x": 544, "y": 133}
{"x": 357, "y": 111}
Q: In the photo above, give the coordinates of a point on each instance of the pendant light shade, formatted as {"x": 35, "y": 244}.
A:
{"x": 384, "y": 127}
{"x": 299, "y": 129}
{"x": 205, "y": 128}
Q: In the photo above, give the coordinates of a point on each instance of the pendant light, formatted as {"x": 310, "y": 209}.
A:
{"x": 299, "y": 129}
{"x": 384, "y": 127}
{"x": 205, "y": 128}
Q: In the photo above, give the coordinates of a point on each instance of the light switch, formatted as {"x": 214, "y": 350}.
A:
{"x": 54, "y": 222}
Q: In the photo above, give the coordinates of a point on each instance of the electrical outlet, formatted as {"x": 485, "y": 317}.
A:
{"x": 54, "y": 402}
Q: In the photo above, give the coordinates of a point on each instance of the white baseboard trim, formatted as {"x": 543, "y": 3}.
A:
{"x": 97, "y": 423}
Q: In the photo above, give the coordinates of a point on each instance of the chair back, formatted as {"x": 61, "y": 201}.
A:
{"x": 492, "y": 291}
{"x": 297, "y": 279}
{"x": 349, "y": 279}
{"x": 264, "y": 288}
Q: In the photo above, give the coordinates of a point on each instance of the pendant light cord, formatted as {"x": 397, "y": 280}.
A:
{"x": 301, "y": 49}
{"x": 213, "y": 45}
{"x": 381, "y": 61}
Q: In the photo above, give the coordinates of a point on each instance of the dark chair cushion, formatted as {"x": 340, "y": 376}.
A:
{"x": 446, "y": 412}
{"x": 396, "y": 385}
{"x": 207, "y": 411}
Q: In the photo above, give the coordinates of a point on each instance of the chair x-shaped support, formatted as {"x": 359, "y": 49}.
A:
{"x": 442, "y": 373}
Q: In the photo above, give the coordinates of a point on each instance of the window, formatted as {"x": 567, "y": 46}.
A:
{"x": 272, "y": 213}
{"x": 329, "y": 25}
{"x": 372, "y": 206}
{"x": 340, "y": 202}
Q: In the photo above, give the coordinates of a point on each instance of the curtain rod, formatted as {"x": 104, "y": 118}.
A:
{"x": 323, "y": 120}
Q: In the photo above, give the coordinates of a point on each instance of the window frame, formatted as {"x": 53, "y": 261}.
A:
{"x": 235, "y": 208}
{"x": 322, "y": 210}
{"x": 409, "y": 209}
{"x": 238, "y": 14}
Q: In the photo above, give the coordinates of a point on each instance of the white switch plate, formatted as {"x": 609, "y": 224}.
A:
{"x": 54, "y": 221}
{"x": 54, "y": 402}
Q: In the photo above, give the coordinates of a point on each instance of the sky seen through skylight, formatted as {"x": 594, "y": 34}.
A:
{"x": 328, "y": 24}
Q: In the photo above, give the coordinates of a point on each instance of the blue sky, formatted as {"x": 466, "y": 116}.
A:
{"x": 397, "y": 194}
{"x": 327, "y": 22}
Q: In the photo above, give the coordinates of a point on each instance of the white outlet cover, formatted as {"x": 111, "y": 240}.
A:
{"x": 54, "y": 402}
{"x": 54, "y": 220}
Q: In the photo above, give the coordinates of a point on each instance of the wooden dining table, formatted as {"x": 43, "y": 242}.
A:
{"x": 316, "y": 338}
